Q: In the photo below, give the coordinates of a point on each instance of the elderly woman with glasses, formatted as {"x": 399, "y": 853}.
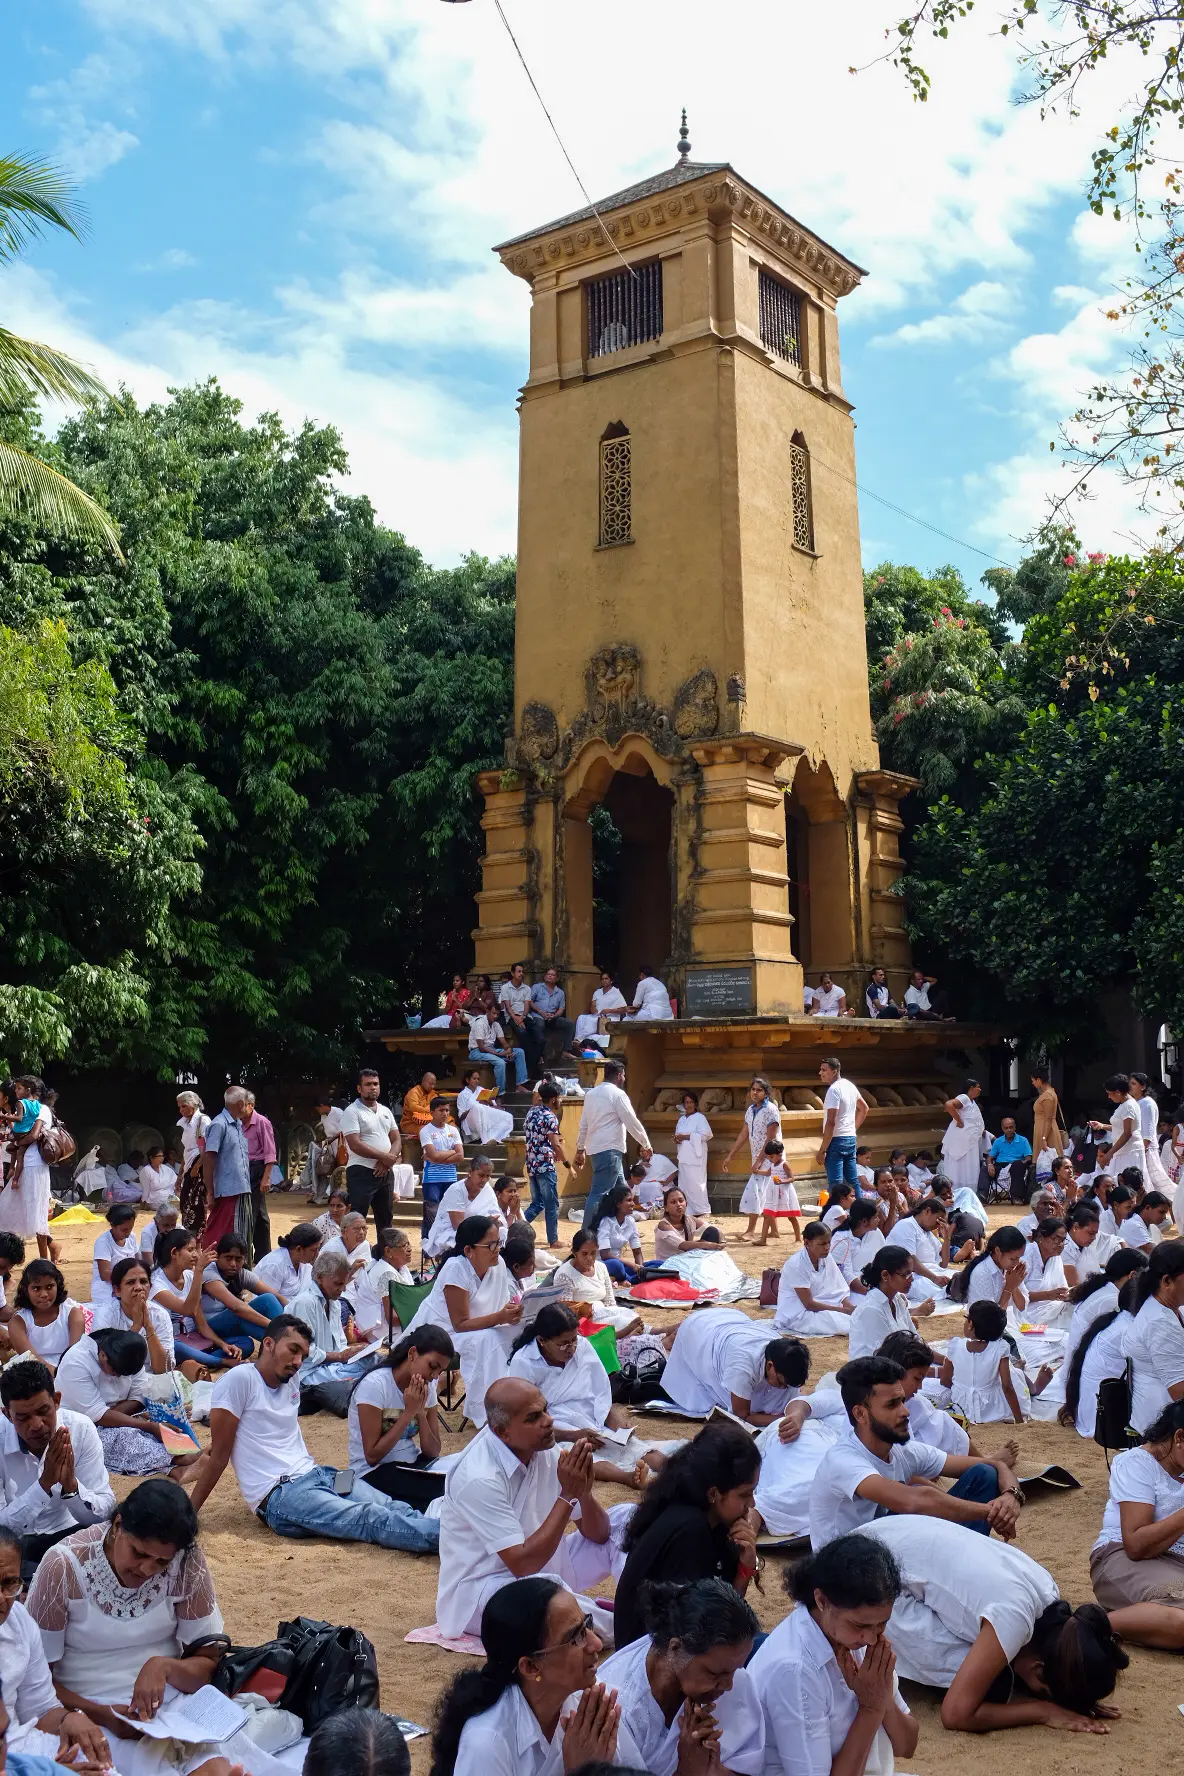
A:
{"x": 476, "y": 1299}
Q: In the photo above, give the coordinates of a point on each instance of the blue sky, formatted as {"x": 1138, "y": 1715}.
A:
{"x": 299, "y": 196}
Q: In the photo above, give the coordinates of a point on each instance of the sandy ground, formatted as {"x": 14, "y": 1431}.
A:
{"x": 261, "y": 1579}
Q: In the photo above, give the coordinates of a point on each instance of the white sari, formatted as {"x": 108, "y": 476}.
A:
{"x": 961, "y": 1148}
{"x": 596, "y": 1289}
{"x": 482, "y": 1122}
{"x": 483, "y": 1355}
{"x": 692, "y": 1161}
{"x": 588, "y": 1022}
{"x": 577, "y": 1393}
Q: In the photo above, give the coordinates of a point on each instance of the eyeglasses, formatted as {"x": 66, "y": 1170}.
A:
{"x": 14, "y": 1587}
{"x": 575, "y": 1637}
{"x": 488, "y": 1246}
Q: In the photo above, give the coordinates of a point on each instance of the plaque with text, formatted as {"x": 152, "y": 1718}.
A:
{"x": 719, "y": 992}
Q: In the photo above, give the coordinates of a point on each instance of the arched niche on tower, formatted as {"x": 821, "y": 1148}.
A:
{"x": 818, "y": 849}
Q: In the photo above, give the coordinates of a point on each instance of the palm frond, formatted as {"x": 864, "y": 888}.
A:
{"x": 31, "y": 490}
{"x": 29, "y": 368}
{"x": 34, "y": 195}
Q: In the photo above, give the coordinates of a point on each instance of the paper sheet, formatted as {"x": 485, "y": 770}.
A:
{"x": 206, "y": 1715}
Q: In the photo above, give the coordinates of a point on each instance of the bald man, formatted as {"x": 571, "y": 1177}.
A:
{"x": 508, "y": 1504}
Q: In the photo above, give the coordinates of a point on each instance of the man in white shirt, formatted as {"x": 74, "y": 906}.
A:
{"x": 829, "y": 1000}
{"x": 845, "y": 1109}
{"x": 523, "y": 1025}
{"x": 254, "y": 1426}
{"x": 507, "y": 1505}
{"x": 487, "y": 1043}
{"x": 651, "y": 1001}
{"x": 52, "y": 1471}
{"x": 877, "y": 1467}
{"x": 605, "y": 1120}
{"x": 375, "y": 1147}
{"x": 320, "y": 1308}
{"x": 921, "y": 1000}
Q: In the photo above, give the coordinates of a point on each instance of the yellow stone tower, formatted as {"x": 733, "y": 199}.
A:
{"x": 690, "y": 635}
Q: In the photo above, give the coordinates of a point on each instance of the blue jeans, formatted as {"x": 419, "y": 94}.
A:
{"x": 544, "y": 1200}
{"x": 980, "y": 1483}
{"x": 228, "y": 1325}
{"x": 840, "y": 1161}
{"x": 620, "y": 1271}
{"x": 213, "y": 1359}
{"x": 309, "y": 1506}
{"x": 607, "y": 1169}
{"x": 498, "y": 1063}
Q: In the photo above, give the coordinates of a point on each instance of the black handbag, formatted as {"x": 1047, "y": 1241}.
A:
{"x": 311, "y": 1669}
{"x": 636, "y": 1384}
{"x": 1112, "y": 1423}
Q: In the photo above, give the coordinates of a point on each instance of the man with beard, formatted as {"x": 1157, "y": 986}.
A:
{"x": 53, "y": 1479}
{"x": 877, "y": 1469}
{"x": 507, "y": 1506}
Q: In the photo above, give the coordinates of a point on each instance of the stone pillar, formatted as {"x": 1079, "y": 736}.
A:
{"x": 507, "y": 904}
{"x": 875, "y": 811}
{"x": 740, "y": 910}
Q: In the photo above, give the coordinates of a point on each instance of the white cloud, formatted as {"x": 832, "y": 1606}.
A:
{"x": 979, "y": 314}
{"x": 172, "y": 259}
{"x": 87, "y": 148}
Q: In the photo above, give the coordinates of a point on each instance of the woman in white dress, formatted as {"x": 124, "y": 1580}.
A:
{"x": 762, "y": 1123}
{"x": 471, "y": 1195}
{"x": 1155, "y": 1343}
{"x": 813, "y": 1297}
{"x": 286, "y": 1271}
{"x": 692, "y": 1660}
{"x": 996, "y": 1274}
{"x": 45, "y": 1321}
{"x": 115, "y": 1637}
{"x": 883, "y": 1307}
{"x": 925, "y": 1236}
{"x": 1137, "y": 1562}
{"x": 1045, "y": 1283}
{"x": 1124, "y": 1146}
{"x": 1095, "y": 1296}
{"x": 368, "y": 1290}
{"x": 977, "y": 1369}
{"x": 962, "y": 1143}
{"x": 1153, "y": 1167}
{"x": 481, "y": 1121}
{"x": 515, "y": 1715}
{"x": 692, "y": 1136}
{"x": 970, "y": 1607}
{"x": 608, "y": 1004}
{"x": 1099, "y": 1355}
{"x": 826, "y": 1674}
{"x": 857, "y": 1239}
{"x": 474, "y": 1298}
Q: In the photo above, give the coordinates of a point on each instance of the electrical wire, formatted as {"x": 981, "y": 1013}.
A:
{"x": 555, "y": 132}
{"x": 911, "y": 516}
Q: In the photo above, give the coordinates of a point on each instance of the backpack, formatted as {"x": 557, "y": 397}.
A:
{"x": 1112, "y": 1423}
{"x": 311, "y": 1668}
{"x": 636, "y": 1384}
{"x": 56, "y": 1144}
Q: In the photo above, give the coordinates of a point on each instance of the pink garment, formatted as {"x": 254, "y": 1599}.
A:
{"x": 260, "y": 1139}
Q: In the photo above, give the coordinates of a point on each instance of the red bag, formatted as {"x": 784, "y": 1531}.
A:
{"x": 770, "y": 1280}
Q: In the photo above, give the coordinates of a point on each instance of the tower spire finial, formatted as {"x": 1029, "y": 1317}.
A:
{"x": 684, "y": 140}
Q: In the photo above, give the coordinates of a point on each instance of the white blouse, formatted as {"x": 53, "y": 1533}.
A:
{"x": 738, "y": 1715}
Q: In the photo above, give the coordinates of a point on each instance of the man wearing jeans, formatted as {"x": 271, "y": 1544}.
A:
{"x": 487, "y": 1042}
{"x": 606, "y": 1119}
{"x": 374, "y": 1150}
{"x": 845, "y": 1110}
{"x": 253, "y": 1425}
{"x": 543, "y": 1149}
{"x": 523, "y": 1024}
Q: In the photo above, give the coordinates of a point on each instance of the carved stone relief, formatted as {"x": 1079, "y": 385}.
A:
{"x": 615, "y": 705}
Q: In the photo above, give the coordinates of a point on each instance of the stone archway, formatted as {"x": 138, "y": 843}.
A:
{"x": 817, "y": 828}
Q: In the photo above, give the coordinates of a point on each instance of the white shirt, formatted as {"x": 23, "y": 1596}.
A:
{"x": 835, "y": 1508}
{"x": 852, "y": 1254}
{"x": 27, "y": 1508}
{"x": 717, "y": 1353}
{"x": 939, "y": 1429}
{"x": 455, "y": 1200}
{"x": 966, "y": 1580}
{"x": 506, "y": 1740}
{"x": 616, "y": 1237}
{"x": 1136, "y": 1478}
{"x": 373, "y": 1124}
{"x": 280, "y": 1274}
{"x": 268, "y": 1446}
{"x": 380, "y": 1389}
{"x": 1132, "y": 1152}
{"x": 606, "y": 1118}
{"x": 875, "y": 1319}
{"x": 111, "y": 1314}
{"x": 842, "y": 1097}
{"x": 808, "y": 1705}
{"x": 369, "y": 1292}
{"x": 1135, "y": 1231}
{"x": 193, "y": 1130}
{"x": 323, "y": 1317}
{"x": 25, "y": 1673}
{"x": 484, "y": 1032}
{"x": 986, "y": 1284}
{"x": 918, "y": 996}
{"x": 516, "y": 999}
{"x": 157, "y": 1186}
{"x": 829, "y": 1003}
{"x": 924, "y": 1247}
{"x": 110, "y": 1250}
{"x": 651, "y": 999}
{"x": 836, "y": 1213}
{"x": 490, "y": 1502}
{"x": 1155, "y": 1346}
{"x": 738, "y": 1715}
{"x": 84, "y": 1387}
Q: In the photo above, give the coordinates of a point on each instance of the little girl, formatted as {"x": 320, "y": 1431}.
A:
{"x": 780, "y": 1199}
{"x": 977, "y": 1369}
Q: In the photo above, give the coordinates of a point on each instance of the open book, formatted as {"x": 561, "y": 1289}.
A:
{"x": 205, "y": 1715}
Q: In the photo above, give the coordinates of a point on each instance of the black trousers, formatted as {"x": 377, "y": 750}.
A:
{"x": 261, "y": 1238}
{"x": 366, "y": 1191}
{"x": 415, "y": 1485}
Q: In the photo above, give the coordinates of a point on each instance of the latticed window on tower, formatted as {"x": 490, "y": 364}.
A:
{"x": 624, "y": 309}
{"x": 780, "y": 317}
{"x": 616, "y": 485}
{"x": 799, "y": 481}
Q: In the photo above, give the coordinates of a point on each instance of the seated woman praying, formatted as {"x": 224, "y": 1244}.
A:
{"x": 1045, "y": 1282}
{"x": 617, "y": 1236}
{"x": 394, "y": 1433}
{"x": 45, "y": 1321}
{"x": 826, "y": 1675}
{"x": 119, "y": 1607}
{"x": 519, "y": 1714}
{"x": 131, "y": 1309}
{"x": 679, "y": 1230}
{"x": 813, "y": 1297}
{"x": 101, "y": 1376}
{"x": 883, "y": 1307}
{"x": 475, "y": 1299}
{"x": 695, "y": 1521}
{"x": 687, "y": 1701}
{"x": 569, "y": 1374}
{"x": 973, "y": 1611}
{"x": 1137, "y": 1562}
{"x": 177, "y": 1290}
{"x": 287, "y": 1271}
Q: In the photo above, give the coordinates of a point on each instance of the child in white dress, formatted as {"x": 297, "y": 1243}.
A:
{"x": 978, "y": 1369}
{"x": 773, "y": 1196}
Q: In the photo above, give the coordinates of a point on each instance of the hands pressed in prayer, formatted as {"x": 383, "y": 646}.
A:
{"x": 698, "y": 1740}
{"x": 59, "y": 1462}
{"x": 870, "y": 1682}
{"x": 590, "y": 1731}
{"x": 574, "y": 1472}
{"x": 415, "y": 1394}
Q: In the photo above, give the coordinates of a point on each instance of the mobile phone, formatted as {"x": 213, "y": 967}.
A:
{"x": 343, "y": 1482}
